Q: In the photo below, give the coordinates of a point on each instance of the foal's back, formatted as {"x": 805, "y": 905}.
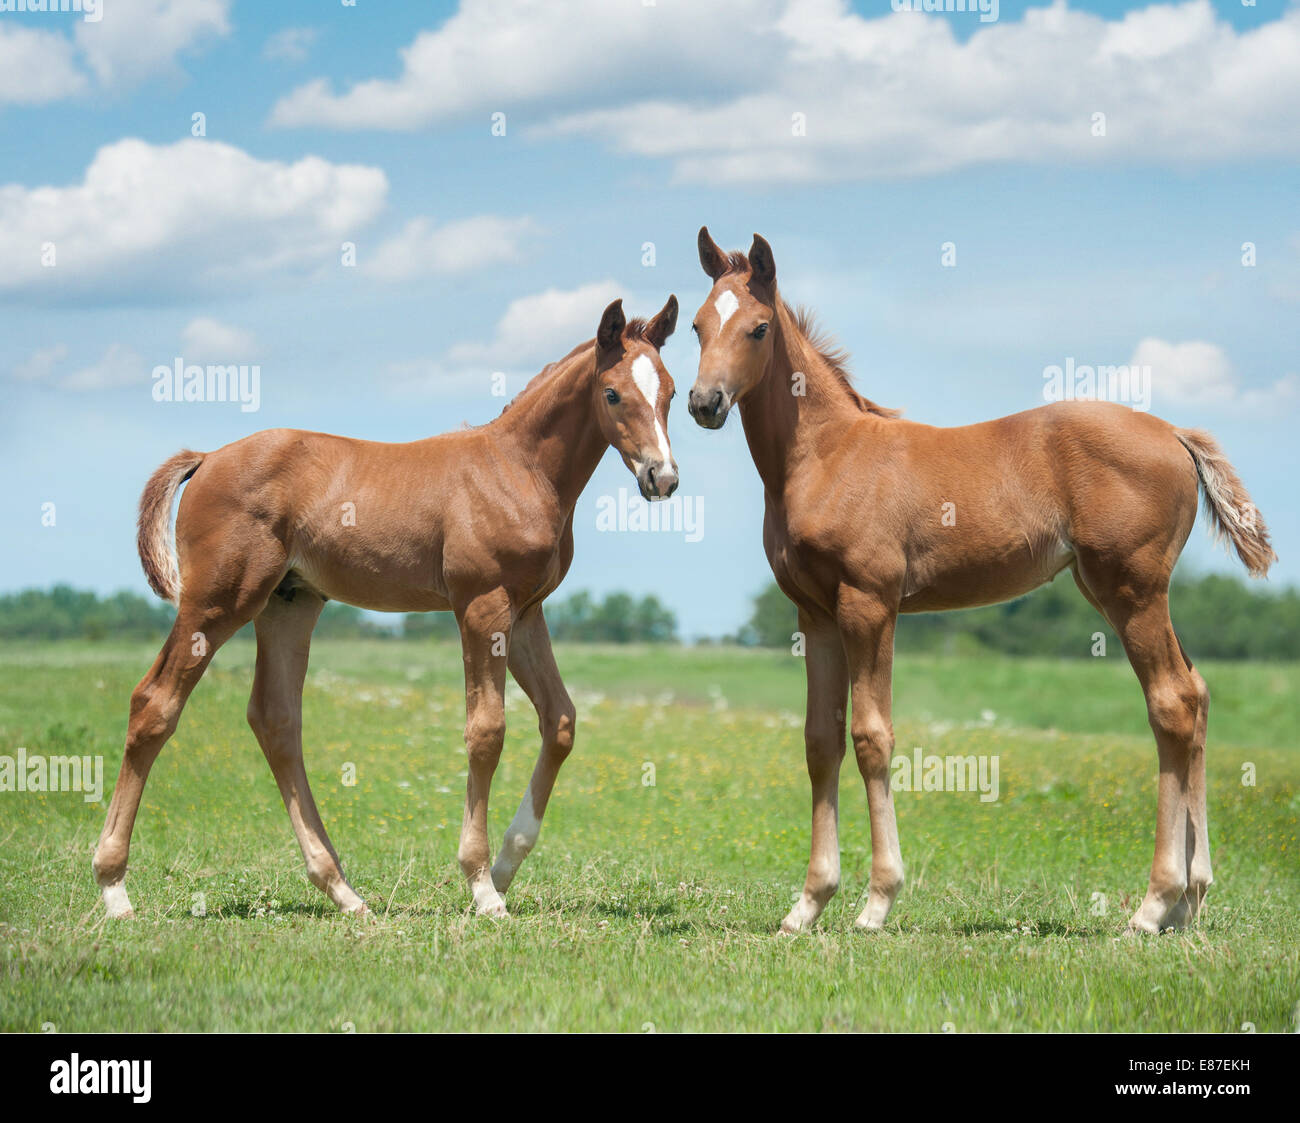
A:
{"x": 367, "y": 522}
{"x": 982, "y": 513}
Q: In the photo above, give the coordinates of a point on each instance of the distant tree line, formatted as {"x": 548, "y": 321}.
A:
{"x": 66, "y": 613}
{"x": 619, "y": 618}
{"x": 1216, "y": 617}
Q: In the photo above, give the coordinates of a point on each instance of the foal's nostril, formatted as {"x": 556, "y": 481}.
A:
{"x": 650, "y": 479}
{"x": 715, "y": 403}
{"x": 671, "y": 488}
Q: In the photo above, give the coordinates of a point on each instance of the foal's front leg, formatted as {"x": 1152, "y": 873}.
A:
{"x": 824, "y": 749}
{"x": 533, "y": 664}
{"x": 867, "y": 624}
{"x": 485, "y": 624}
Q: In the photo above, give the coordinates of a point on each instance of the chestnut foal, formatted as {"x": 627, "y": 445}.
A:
{"x": 868, "y": 516}
{"x": 478, "y": 521}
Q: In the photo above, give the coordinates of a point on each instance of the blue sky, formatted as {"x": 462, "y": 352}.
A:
{"x": 628, "y": 124}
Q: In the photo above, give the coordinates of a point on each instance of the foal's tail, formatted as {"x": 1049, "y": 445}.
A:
{"x": 152, "y": 538}
{"x": 1233, "y": 516}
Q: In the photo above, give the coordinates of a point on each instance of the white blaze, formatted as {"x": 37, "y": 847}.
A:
{"x": 646, "y": 376}
{"x": 726, "y": 305}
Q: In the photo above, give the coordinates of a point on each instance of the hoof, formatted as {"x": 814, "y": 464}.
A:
{"x": 793, "y": 925}
{"x": 1179, "y": 917}
{"x": 487, "y": 901}
{"x": 116, "y": 902}
{"x": 495, "y": 910}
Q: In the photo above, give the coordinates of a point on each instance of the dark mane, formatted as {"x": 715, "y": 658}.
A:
{"x": 833, "y": 355}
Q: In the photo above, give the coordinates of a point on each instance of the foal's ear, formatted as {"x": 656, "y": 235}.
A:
{"x": 662, "y": 326}
{"x": 762, "y": 266}
{"x": 610, "y": 333}
{"x": 712, "y": 258}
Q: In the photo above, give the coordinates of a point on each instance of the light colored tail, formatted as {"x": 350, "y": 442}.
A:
{"x": 1233, "y": 516}
{"x": 152, "y": 538}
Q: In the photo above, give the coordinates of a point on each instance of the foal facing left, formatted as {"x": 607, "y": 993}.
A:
{"x": 478, "y": 521}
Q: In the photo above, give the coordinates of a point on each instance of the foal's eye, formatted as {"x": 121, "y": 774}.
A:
{"x": 759, "y": 331}
{"x": 695, "y": 328}
{"x": 611, "y": 395}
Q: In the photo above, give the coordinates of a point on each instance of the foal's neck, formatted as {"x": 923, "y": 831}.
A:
{"x": 798, "y": 397}
{"x": 552, "y": 421}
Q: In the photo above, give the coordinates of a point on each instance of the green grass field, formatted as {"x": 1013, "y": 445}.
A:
{"x": 646, "y": 907}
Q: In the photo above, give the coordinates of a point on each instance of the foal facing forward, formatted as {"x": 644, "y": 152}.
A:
{"x": 479, "y": 522}
{"x": 868, "y": 516}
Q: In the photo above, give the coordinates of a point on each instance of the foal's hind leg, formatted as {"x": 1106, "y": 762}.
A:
{"x": 156, "y": 705}
{"x": 1199, "y": 873}
{"x": 1137, "y": 606}
{"x": 485, "y": 623}
{"x": 275, "y": 713}
{"x": 533, "y": 664}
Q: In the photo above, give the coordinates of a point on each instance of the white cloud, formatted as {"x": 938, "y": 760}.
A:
{"x": 138, "y": 39}
{"x": 434, "y": 379}
{"x": 292, "y": 44}
{"x": 895, "y": 95}
{"x": 133, "y": 41}
{"x": 1198, "y": 373}
{"x": 118, "y": 366}
{"x": 423, "y": 249}
{"x": 36, "y": 66}
{"x": 202, "y": 340}
{"x": 500, "y": 55}
{"x": 541, "y": 327}
{"x": 193, "y": 214}
{"x": 206, "y": 340}
{"x": 41, "y": 363}
{"x": 533, "y": 330}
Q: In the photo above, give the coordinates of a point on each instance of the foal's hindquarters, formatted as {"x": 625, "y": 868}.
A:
{"x": 233, "y": 560}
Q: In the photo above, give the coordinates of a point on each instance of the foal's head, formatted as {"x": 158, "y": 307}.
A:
{"x": 633, "y": 389}
{"x": 734, "y": 326}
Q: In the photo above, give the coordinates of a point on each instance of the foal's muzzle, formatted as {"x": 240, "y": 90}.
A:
{"x": 709, "y": 408}
{"x": 657, "y": 480}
